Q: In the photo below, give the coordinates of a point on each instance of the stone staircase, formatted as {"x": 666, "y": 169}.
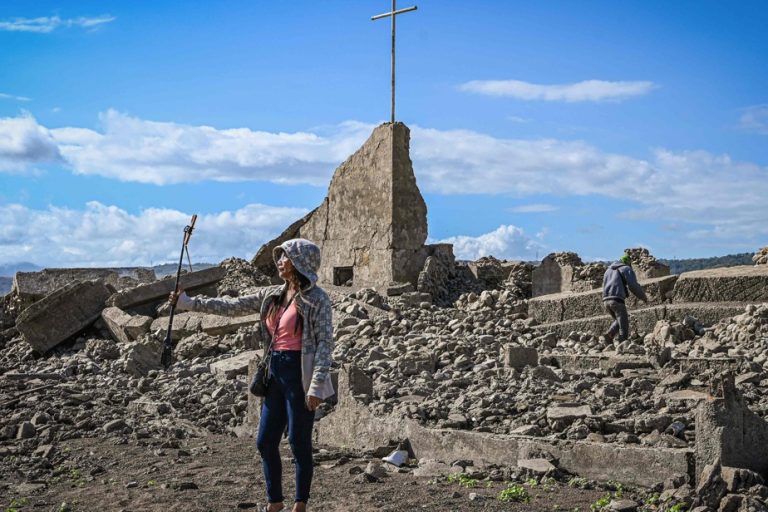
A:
{"x": 708, "y": 295}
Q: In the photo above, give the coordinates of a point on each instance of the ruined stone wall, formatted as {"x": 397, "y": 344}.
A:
{"x": 555, "y": 273}
{"x": 372, "y": 225}
{"x": 761, "y": 256}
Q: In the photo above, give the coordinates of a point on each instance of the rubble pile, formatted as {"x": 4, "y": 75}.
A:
{"x": 242, "y": 278}
{"x": 484, "y": 366}
{"x": 519, "y": 282}
{"x": 645, "y": 263}
{"x": 761, "y": 256}
{"x": 589, "y": 276}
{"x": 479, "y": 363}
{"x": 567, "y": 258}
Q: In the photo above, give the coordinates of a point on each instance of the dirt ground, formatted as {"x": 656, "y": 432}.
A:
{"x": 219, "y": 473}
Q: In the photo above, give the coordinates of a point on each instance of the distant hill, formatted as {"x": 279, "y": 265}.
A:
{"x": 731, "y": 260}
{"x": 5, "y": 284}
{"x": 9, "y": 269}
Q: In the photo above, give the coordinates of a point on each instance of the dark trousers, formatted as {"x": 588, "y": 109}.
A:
{"x": 285, "y": 405}
{"x": 618, "y": 311}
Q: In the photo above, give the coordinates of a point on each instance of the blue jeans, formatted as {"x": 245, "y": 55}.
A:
{"x": 285, "y": 404}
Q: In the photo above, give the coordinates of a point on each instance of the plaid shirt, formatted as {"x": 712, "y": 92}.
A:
{"x": 313, "y": 304}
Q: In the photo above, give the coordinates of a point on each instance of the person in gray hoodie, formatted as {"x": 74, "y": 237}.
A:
{"x": 619, "y": 280}
{"x": 298, "y": 335}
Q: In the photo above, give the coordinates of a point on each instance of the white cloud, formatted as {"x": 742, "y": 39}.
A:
{"x": 755, "y": 119}
{"x": 46, "y": 24}
{"x": 132, "y": 149}
{"x": 720, "y": 194}
{"x": 5, "y": 96}
{"x": 534, "y": 208}
{"x": 102, "y": 235}
{"x": 24, "y": 144}
{"x": 506, "y": 242}
{"x": 588, "y": 90}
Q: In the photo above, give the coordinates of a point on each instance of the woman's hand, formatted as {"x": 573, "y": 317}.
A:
{"x": 313, "y": 402}
{"x": 174, "y": 296}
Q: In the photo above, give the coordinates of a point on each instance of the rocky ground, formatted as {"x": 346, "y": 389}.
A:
{"x": 93, "y": 425}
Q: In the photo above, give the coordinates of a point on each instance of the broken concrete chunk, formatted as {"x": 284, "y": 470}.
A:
{"x": 141, "y": 356}
{"x": 36, "y": 285}
{"x": 395, "y": 289}
{"x": 520, "y": 357}
{"x": 159, "y": 290}
{"x": 62, "y": 314}
{"x": 536, "y": 466}
{"x": 124, "y": 327}
{"x": 568, "y": 412}
{"x": 233, "y": 366}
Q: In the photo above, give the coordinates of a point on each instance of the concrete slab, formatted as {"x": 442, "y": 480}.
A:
{"x": 558, "y": 307}
{"x": 644, "y": 320}
{"x": 62, "y": 314}
{"x": 728, "y": 431}
{"x": 731, "y": 284}
{"x": 36, "y": 285}
{"x": 352, "y": 424}
{"x": 573, "y": 363}
{"x": 188, "y": 323}
{"x": 159, "y": 290}
{"x": 576, "y": 363}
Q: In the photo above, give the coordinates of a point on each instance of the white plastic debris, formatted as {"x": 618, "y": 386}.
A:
{"x": 396, "y": 458}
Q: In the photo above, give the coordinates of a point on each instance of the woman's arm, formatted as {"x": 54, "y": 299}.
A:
{"x": 233, "y": 306}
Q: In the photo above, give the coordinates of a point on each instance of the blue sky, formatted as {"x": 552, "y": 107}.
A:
{"x": 536, "y": 126}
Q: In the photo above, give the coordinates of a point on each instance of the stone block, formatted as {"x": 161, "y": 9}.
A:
{"x": 231, "y": 367}
{"x": 395, "y": 289}
{"x": 36, "y": 285}
{"x": 568, "y": 412}
{"x": 353, "y": 381}
{"x": 520, "y": 357}
{"x": 731, "y": 284}
{"x": 159, "y": 290}
{"x": 124, "y": 327}
{"x": 62, "y": 314}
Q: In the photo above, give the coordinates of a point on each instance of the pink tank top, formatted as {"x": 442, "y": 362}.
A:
{"x": 285, "y": 338}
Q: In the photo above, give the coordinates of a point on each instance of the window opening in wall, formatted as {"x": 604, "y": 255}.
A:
{"x": 343, "y": 276}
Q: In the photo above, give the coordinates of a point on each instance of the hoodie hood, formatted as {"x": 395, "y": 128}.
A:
{"x": 616, "y": 264}
{"x": 304, "y": 255}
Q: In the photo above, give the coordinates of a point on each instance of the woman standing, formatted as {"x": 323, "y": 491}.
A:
{"x": 296, "y": 324}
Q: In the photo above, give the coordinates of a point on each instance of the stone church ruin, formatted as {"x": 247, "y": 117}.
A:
{"x": 372, "y": 225}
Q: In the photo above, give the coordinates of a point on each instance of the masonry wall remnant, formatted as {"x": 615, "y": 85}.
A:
{"x": 372, "y": 225}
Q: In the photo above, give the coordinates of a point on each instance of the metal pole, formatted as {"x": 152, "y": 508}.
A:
{"x": 392, "y": 119}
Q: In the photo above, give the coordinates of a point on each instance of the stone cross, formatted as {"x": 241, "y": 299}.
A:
{"x": 393, "y": 14}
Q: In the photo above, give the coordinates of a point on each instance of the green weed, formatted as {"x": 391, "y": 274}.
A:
{"x": 514, "y": 492}
{"x": 463, "y": 479}
{"x": 601, "y": 503}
